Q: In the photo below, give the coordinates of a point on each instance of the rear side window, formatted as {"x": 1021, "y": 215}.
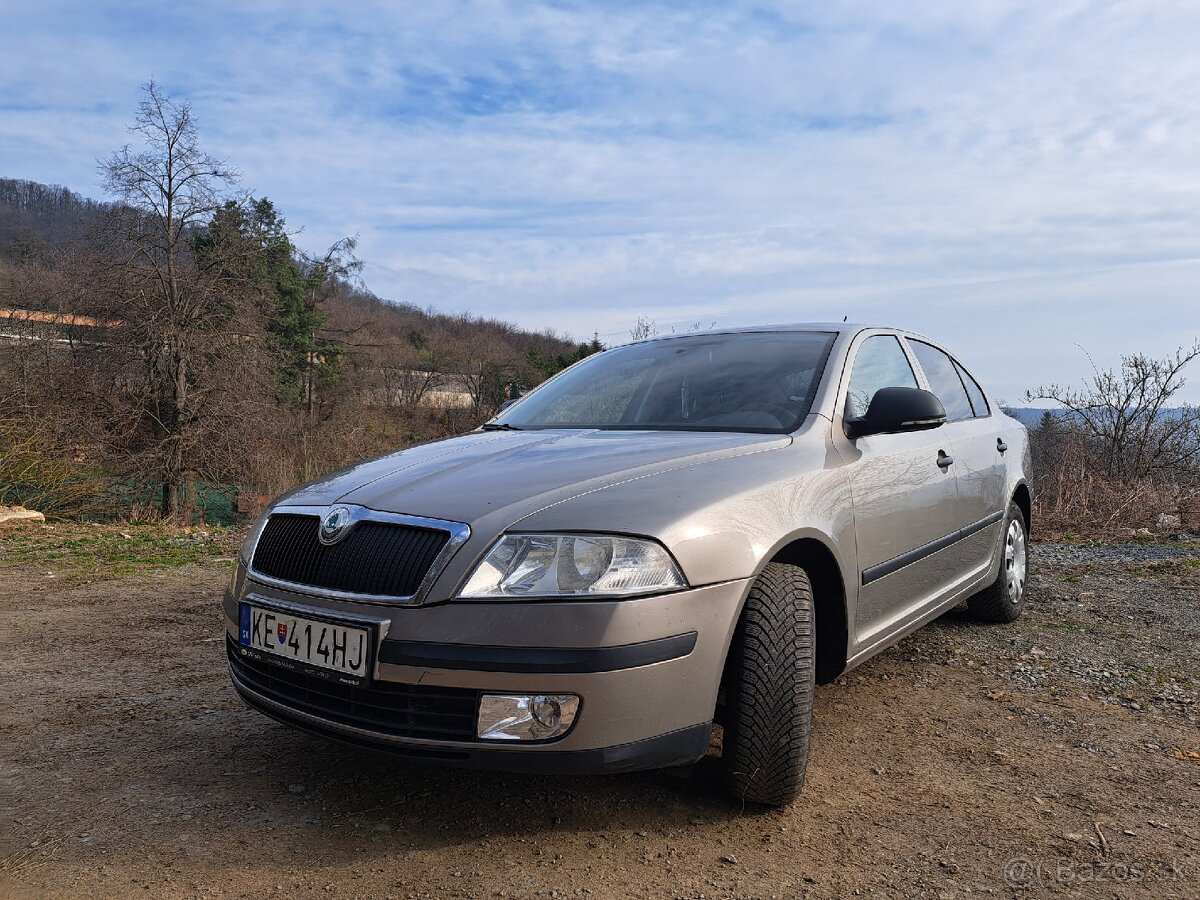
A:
{"x": 978, "y": 401}
{"x": 944, "y": 381}
{"x": 880, "y": 363}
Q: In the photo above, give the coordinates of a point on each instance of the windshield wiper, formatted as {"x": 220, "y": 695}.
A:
{"x": 499, "y": 426}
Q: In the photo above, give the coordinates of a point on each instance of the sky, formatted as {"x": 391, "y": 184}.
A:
{"x": 1020, "y": 181}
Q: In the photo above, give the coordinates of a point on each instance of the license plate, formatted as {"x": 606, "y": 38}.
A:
{"x": 338, "y": 650}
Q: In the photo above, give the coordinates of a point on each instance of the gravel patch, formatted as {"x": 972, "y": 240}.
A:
{"x": 1115, "y": 624}
{"x": 1080, "y": 554}
{"x": 1067, "y": 741}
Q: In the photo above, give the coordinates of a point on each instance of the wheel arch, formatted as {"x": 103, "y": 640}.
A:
{"x": 811, "y": 550}
{"x": 829, "y": 601}
{"x": 1024, "y": 500}
{"x": 815, "y": 555}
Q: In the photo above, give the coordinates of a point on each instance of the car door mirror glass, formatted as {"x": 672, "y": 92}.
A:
{"x": 898, "y": 409}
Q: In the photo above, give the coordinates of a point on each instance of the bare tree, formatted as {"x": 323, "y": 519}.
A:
{"x": 645, "y": 328}
{"x": 169, "y": 188}
{"x": 406, "y": 380}
{"x": 1128, "y": 414}
{"x": 177, "y": 335}
{"x": 482, "y": 369}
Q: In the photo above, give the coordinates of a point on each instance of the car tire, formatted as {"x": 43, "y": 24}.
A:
{"x": 769, "y": 689}
{"x": 1004, "y": 599}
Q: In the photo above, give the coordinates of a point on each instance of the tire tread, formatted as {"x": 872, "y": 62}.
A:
{"x": 771, "y": 687}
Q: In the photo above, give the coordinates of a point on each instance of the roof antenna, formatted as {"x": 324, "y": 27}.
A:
{"x": 844, "y": 318}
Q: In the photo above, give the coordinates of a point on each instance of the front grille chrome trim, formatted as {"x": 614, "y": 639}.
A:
{"x": 459, "y": 533}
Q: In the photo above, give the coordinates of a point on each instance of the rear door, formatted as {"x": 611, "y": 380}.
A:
{"x": 904, "y": 501}
{"x": 978, "y": 457}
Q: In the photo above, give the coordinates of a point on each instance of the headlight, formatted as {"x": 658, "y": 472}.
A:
{"x": 573, "y": 565}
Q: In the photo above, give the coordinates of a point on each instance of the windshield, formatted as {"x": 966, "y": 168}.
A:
{"x": 750, "y": 381}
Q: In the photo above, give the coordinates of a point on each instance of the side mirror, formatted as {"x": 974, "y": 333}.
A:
{"x": 898, "y": 409}
{"x": 506, "y": 404}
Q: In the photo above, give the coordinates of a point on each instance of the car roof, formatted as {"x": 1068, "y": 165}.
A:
{"x": 831, "y": 327}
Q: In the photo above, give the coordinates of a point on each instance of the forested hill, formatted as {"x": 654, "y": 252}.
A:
{"x": 37, "y": 217}
{"x": 37, "y": 220}
{"x": 279, "y": 364}
{"x": 1033, "y": 416}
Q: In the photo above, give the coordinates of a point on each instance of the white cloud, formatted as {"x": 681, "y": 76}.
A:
{"x": 1012, "y": 177}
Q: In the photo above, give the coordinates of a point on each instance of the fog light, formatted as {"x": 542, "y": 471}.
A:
{"x": 526, "y": 717}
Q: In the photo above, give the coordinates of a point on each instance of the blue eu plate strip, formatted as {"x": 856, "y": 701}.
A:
{"x": 244, "y": 631}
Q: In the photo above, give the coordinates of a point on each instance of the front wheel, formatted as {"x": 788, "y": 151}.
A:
{"x": 769, "y": 689}
{"x": 1004, "y": 599}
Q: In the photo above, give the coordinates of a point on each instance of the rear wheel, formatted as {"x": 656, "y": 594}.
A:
{"x": 769, "y": 689}
{"x": 1004, "y": 599}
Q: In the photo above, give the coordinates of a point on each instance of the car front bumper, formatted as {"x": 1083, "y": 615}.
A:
{"x": 647, "y": 671}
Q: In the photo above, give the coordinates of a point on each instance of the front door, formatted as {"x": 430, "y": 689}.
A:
{"x": 906, "y": 509}
{"x": 978, "y": 457}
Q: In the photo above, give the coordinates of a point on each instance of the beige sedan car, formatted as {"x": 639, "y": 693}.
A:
{"x": 670, "y": 534}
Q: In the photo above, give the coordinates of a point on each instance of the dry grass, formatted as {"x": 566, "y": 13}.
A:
{"x": 89, "y": 551}
{"x": 38, "y": 473}
{"x": 1073, "y": 494}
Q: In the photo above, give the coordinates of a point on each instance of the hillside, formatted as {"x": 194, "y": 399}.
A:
{"x": 38, "y": 219}
{"x": 283, "y": 365}
{"x": 1031, "y": 416}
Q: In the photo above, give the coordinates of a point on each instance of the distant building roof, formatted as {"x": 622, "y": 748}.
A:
{"x": 50, "y": 318}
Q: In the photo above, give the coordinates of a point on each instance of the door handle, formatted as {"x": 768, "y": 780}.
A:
{"x": 944, "y": 461}
{"x": 1000, "y": 445}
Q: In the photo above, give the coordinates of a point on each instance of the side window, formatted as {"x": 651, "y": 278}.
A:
{"x": 978, "y": 401}
{"x": 943, "y": 381}
{"x": 880, "y": 363}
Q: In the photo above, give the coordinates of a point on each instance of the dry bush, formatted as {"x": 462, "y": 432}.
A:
{"x": 1075, "y": 493}
{"x": 37, "y": 472}
{"x": 1124, "y": 452}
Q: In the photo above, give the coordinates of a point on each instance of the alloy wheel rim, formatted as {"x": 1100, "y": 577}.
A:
{"x": 1015, "y": 561}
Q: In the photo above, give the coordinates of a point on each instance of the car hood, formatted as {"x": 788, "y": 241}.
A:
{"x": 476, "y": 475}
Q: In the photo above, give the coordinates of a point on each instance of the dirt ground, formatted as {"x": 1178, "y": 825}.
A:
{"x": 1054, "y": 757}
